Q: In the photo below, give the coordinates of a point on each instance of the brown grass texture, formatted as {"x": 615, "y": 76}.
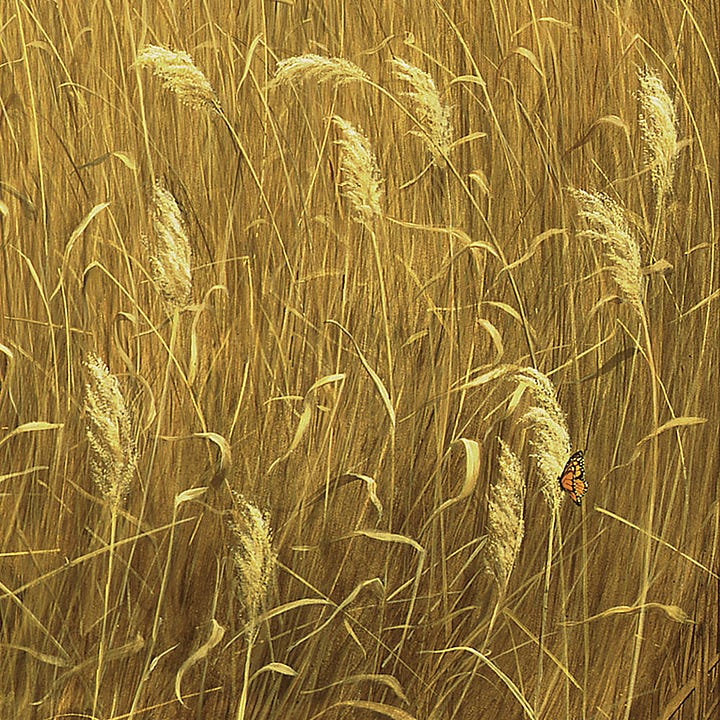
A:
{"x": 276, "y": 276}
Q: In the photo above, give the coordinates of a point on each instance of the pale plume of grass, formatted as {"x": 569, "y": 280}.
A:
{"x": 551, "y": 438}
{"x": 169, "y": 248}
{"x": 362, "y": 182}
{"x": 505, "y": 522}
{"x": 110, "y": 433}
{"x": 505, "y": 525}
{"x": 432, "y": 113}
{"x": 253, "y": 559}
{"x": 608, "y": 224}
{"x": 254, "y": 564}
{"x": 658, "y": 121}
{"x": 318, "y": 68}
{"x": 551, "y": 443}
{"x": 179, "y": 75}
{"x": 113, "y": 461}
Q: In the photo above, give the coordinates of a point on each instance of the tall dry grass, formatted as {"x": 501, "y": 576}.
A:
{"x": 350, "y": 245}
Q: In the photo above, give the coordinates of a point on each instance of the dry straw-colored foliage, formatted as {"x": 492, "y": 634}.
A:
{"x": 361, "y": 256}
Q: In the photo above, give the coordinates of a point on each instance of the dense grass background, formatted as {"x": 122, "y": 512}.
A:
{"x": 544, "y": 93}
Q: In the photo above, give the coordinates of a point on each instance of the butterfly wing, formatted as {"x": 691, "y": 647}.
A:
{"x": 572, "y": 479}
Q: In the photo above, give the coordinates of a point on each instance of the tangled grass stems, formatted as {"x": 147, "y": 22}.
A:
{"x": 179, "y": 75}
{"x": 315, "y": 65}
{"x": 363, "y": 187}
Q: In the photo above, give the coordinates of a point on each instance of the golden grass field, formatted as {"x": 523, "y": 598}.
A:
{"x": 338, "y": 367}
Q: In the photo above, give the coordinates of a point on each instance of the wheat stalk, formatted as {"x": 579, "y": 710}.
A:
{"x": 433, "y": 115}
{"x": 505, "y": 524}
{"x": 253, "y": 558}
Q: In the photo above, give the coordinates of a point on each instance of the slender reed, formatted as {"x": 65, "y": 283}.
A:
{"x": 113, "y": 461}
{"x": 607, "y": 224}
{"x": 551, "y": 440}
{"x": 254, "y": 563}
{"x": 363, "y": 186}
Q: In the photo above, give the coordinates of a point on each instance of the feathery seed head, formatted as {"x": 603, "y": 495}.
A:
{"x": 505, "y": 522}
{"x": 658, "y": 121}
{"x": 608, "y": 224}
{"x": 253, "y": 557}
{"x": 109, "y": 431}
{"x": 318, "y": 68}
{"x": 362, "y": 183}
{"x": 169, "y": 248}
{"x": 431, "y": 112}
{"x": 180, "y": 75}
{"x": 551, "y": 439}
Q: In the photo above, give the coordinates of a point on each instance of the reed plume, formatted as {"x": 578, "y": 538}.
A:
{"x": 253, "y": 558}
{"x": 179, "y": 75}
{"x": 254, "y": 561}
{"x": 658, "y": 121}
{"x": 110, "y": 433}
{"x": 318, "y": 68}
{"x": 431, "y": 112}
{"x": 362, "y": 183}
{"x": 113, "y": 461}
{"x": 169, "y": 248}
{"x": 505, "y": 522}
{"x": 608, "y": 224}
{"x": 551, "y": 438}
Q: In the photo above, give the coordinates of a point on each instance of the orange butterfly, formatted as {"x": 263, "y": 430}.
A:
{"x": 572, "y": 479}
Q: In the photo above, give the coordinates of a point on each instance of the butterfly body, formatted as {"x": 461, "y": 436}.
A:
{"x": 572, "y": 479}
